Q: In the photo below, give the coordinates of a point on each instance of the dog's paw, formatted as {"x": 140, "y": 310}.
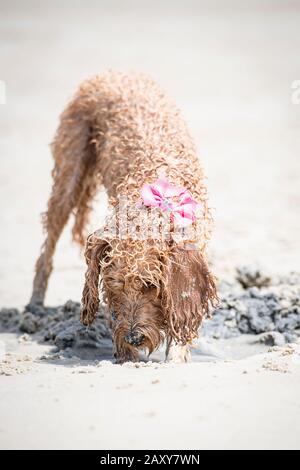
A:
{"x": 127, "y": 358}
{"x": 178, "y": 354}
{"x": 36, "y": 308}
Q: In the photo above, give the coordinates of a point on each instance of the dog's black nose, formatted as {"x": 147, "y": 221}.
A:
{"x": 134, "y": 338}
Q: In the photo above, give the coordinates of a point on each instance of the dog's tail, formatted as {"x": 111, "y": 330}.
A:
{"x": 75, "y": 164}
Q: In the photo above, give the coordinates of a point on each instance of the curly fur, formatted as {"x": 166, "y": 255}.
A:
{"x": 121, "y": 131}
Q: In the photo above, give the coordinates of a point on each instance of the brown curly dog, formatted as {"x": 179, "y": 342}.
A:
{"x": 121, "y": 131}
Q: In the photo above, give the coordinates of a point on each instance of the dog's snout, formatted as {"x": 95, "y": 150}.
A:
{"x": 134, "y": 338}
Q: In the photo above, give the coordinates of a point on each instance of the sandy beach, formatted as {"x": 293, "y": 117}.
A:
{"x": 230, "y": 67}
{"x": 227, "y": 404}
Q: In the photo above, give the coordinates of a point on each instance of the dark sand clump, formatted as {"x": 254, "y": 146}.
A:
{"x": 253, "y": 303}
{"x": 257, "y": 304}
{"x": 59, "y": 326}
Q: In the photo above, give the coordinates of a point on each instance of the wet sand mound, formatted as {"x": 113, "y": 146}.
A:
{"x": 257, "y": 304}
{"x": 61, "y": 327}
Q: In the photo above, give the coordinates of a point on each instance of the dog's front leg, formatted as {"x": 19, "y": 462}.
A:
{"x": 177, "y": 353}
{"x": 125, "y": 354}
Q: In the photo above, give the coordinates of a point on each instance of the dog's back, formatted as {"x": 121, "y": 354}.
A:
{"x": 130, "y": 127}
{"x": 119, "y": 130}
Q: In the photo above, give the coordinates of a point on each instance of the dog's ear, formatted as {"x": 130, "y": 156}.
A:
{"x": 96, "y": 250}
{"x": 188, "y": 292}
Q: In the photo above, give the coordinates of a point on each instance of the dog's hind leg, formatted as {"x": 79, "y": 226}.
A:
{"x": 74, "y": 156}
{"x": 83, "y": 209}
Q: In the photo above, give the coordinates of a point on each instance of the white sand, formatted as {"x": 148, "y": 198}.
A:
{"x": 230, "y": 66}
{"x": 69, "y": 404}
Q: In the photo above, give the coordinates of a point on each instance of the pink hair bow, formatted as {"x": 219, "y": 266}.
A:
{"x": 170, "y": 198}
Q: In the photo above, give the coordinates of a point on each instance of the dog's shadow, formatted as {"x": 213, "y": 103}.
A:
{"x": 85, "y": 354}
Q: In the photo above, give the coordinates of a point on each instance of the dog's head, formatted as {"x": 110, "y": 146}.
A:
{"x": 151, "y": 292}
